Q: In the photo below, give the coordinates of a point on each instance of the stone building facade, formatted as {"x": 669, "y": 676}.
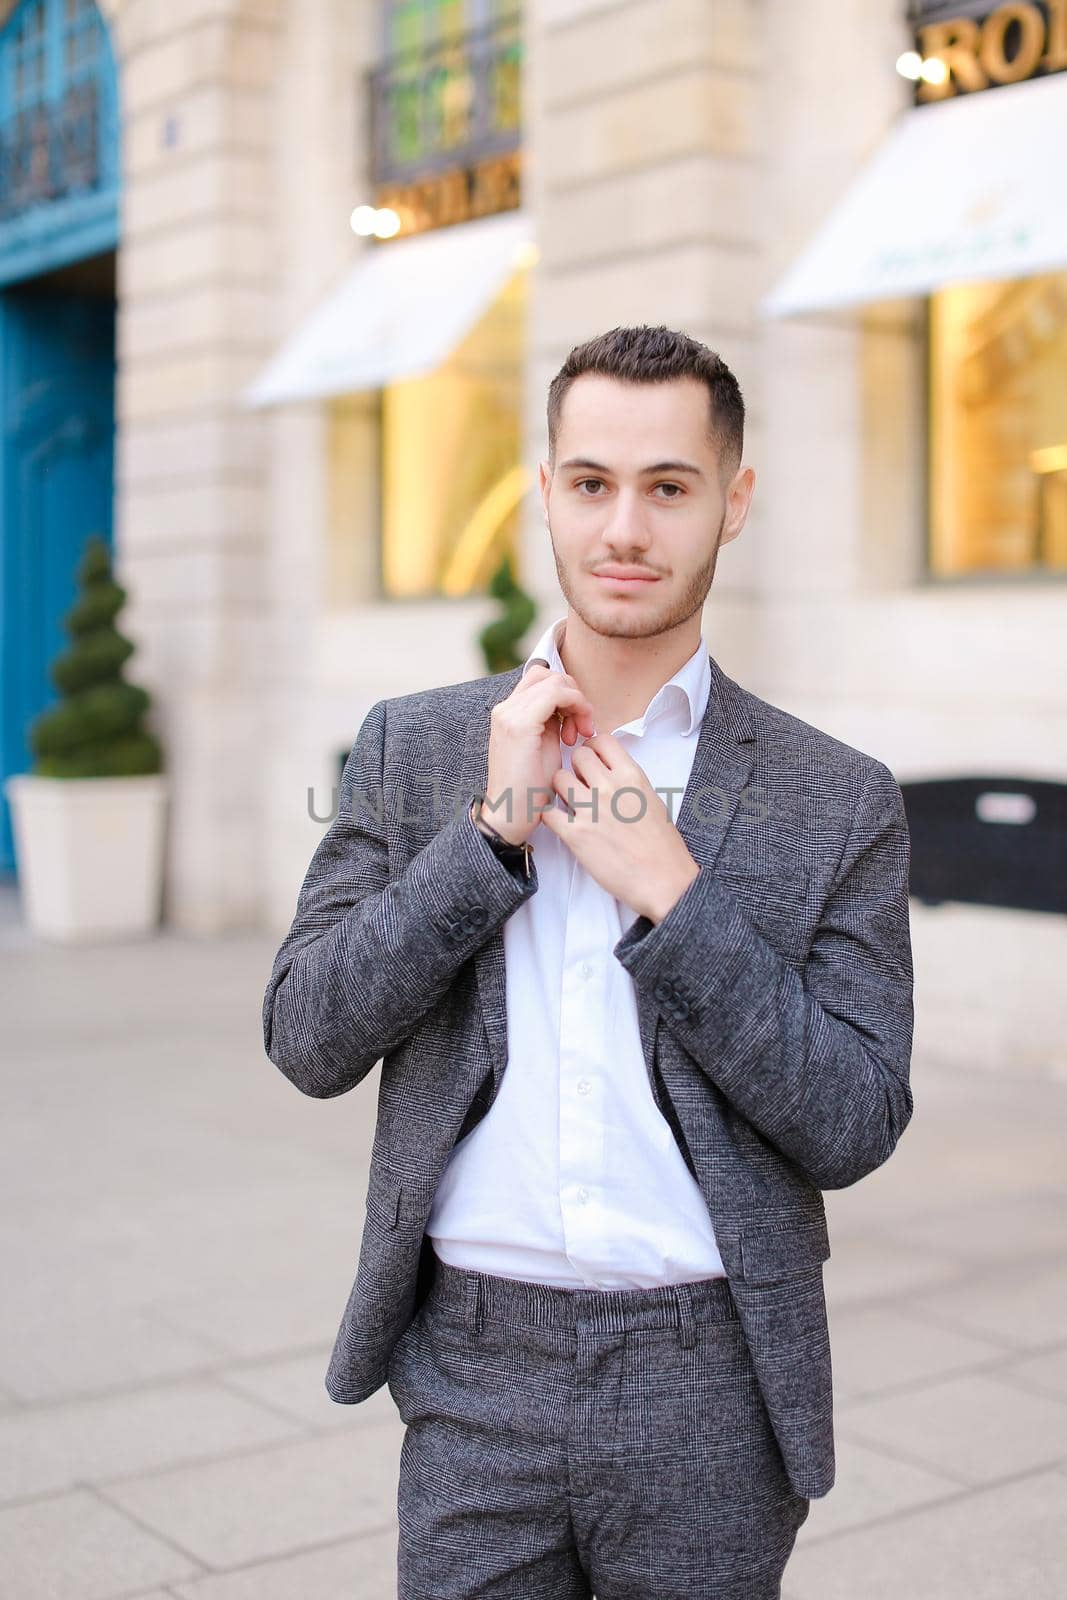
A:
{"x": 676, "y": 155}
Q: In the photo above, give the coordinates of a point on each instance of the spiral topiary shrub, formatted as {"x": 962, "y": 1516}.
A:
{"x": 500, "y": 638}
{"x": 96, "y": 730}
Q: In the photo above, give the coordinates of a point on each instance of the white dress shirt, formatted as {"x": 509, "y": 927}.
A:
{"x": 574, "y": 1177}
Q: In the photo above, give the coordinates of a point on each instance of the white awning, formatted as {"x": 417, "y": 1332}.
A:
{"x": 399, "y": 312}
{"x": 972, "y": 187}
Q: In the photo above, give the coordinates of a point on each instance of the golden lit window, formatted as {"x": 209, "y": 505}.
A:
{"x": 452, "y": 473}
{"x": 998, "y": 427}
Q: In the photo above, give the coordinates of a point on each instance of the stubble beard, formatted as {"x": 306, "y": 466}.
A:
{"x": 644, "y": 623}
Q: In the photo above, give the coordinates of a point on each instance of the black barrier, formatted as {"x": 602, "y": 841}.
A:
{"x": 989, "y": 841}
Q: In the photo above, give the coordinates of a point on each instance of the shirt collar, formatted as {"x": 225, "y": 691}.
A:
{"x": 685, "y": 695}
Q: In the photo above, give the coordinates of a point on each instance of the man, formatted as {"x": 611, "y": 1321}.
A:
{"x": 633, "y": 947}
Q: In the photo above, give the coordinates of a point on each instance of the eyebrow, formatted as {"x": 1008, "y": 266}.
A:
{"x": 659, "y": 466}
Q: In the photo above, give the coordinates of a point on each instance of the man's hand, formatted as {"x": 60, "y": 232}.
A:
{"x": 619, "y": 829}
{"x": 525, "y": 732}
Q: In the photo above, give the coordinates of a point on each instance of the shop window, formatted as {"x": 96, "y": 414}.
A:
{"x": 417, "y": 25}
{"x": 998, "y": 427}
{"x": 413, "y": 26}
{"x": 448, "y": 87}
{"x": 452, "y": 475}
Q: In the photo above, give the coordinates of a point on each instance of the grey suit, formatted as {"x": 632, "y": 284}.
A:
{"x": 774, "y": 998}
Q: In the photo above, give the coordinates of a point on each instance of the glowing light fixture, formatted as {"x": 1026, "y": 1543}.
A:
{"x": 379, "y": 221}
{"x": 912, "y": 65}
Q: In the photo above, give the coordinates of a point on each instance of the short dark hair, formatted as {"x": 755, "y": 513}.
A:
{"x": 657, "y": 355}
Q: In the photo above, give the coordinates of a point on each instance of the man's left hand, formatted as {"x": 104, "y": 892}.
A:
{"x": 619, "y": 829}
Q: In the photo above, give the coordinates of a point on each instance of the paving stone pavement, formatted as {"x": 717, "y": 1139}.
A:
{"x": 179, "y": 1235}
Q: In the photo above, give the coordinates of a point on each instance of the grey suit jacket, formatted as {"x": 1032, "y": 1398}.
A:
{"x": 774, "y": 1000}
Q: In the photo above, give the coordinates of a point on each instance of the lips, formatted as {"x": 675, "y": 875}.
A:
{"x": 626, "y": 577}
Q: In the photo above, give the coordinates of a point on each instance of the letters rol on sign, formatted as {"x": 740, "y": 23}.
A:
{"x": 976, "y": 51}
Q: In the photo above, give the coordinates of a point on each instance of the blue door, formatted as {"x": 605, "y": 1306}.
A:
{"x": 59, "y": 192}
{"x": 57, "y": 427}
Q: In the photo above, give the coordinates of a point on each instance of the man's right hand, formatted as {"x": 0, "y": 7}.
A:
{"x": 524, "y": 736}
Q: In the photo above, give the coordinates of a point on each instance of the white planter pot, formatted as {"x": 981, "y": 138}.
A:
{"x": 89, "y": 853}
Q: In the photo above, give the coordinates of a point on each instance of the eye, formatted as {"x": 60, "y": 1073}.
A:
{"x": 676, "y": 487}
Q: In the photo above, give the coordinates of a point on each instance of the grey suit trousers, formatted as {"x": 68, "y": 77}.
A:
{"x": 562, "y": 1442}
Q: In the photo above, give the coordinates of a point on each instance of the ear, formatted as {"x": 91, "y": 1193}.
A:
{"x": 738, "y": 499}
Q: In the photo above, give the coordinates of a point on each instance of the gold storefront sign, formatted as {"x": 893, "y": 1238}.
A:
{"x": 976, "y": 50}
{"x": 459, "y": 195}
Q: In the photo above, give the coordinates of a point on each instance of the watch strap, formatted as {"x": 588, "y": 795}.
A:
{"x": 513, "y": 855}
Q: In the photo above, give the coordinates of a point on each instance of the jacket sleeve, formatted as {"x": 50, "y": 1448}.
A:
{"x": 367, "y": 957}
{"x": 819, "y": 1063}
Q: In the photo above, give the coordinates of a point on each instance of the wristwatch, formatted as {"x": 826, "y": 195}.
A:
{"x": 512, "y": 855}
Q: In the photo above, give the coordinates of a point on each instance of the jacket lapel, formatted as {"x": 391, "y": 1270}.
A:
{"x": 489, "y": 960}
{"x": 722, "y": 766}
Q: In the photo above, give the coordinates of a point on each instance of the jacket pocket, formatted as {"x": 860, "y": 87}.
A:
{"x": 773, "y": 1251}
{"x": 767, "y": 884}
{"x": 392, "y": 1199}
{"x": 777, "y": 903}
{"x": 384, "y": 1193}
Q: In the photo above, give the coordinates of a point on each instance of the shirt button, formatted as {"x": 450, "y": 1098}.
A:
{"x": 583, "y": 1194}
{"x": 584, "y": 1086}
{"x": 586, "y": 970}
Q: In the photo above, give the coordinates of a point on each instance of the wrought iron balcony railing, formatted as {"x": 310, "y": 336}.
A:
{"x": 50, "y": 151}
{"x": 449, "y": 106}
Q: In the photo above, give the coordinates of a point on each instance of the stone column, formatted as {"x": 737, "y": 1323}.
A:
{"x": 642, "y": 167}
{"x": 844, "y": 390}
{"x": 196, "y": 276}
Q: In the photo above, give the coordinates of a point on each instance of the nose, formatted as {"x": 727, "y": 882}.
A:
{"x": 625, "y": 531}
